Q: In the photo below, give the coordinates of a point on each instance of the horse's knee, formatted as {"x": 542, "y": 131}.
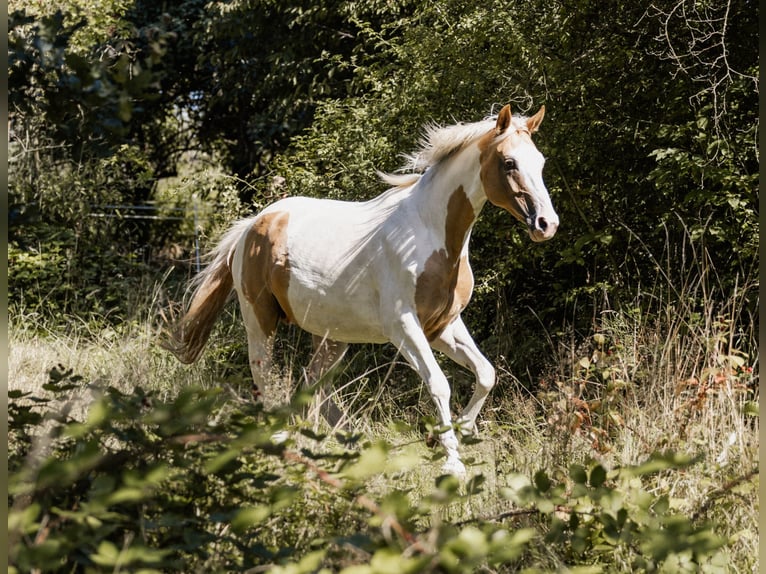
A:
{"x": 485, "y": 375}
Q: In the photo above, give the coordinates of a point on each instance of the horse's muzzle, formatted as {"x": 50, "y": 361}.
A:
{"x": 543, "y": 228}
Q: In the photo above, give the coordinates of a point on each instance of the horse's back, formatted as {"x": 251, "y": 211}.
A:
{"x": 327, "y": 261}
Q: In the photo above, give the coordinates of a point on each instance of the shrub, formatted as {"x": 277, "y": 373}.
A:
{"x": 196, "y": 483}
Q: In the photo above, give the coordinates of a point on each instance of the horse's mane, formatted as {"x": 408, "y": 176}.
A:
{"x": 438, "y": 142}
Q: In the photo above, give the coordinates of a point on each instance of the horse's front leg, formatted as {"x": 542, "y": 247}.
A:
{"x": 456, "y": 342}
{"x": 409, "y": 338}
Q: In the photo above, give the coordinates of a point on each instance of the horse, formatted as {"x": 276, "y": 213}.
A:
{"x": 393, "y": 269}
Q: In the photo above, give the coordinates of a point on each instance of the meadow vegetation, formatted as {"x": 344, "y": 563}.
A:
{"x": 637, "y": 451}
{"x": 622, "y": 435}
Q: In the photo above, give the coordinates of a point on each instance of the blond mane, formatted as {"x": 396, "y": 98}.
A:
{"x": 438, "y": 142}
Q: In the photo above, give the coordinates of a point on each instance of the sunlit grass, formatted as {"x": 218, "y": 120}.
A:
{"x": 640, "y": 383}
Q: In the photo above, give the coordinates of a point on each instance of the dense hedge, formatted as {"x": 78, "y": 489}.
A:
{"x": 649, "y": 132}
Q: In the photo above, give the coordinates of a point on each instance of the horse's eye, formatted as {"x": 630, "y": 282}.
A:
{"x": 510, "y": 164}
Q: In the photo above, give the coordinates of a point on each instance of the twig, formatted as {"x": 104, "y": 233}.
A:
{"x": 520, "y": 512}
{"x": 198, "y": 437}
{"x": 716, "y": 494}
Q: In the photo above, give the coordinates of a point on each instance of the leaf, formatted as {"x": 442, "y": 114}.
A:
{"x": 599, "y": 339}
{"x": 542, "y": 482}
{"x": 390, "y": 561}
{"x": 471, "y": 542}
{"x": 750, "y": 408}
{"x": 736, "y": 360}
{"x": 448, "y": 484}
{"x": 107, "y": 554}
{"x": 357, "y": 569}
{"x": 597, "y": 476}
{"x": 308, "y": 564}
{"x": 661, "y": 461}
{"x": 218, "y": 462}
{"x": 406, "y": 460}
{"x": 98, "y": 413}
{"x": 474, "y": 485}
{"x": 124, "y": 495}
{"x": 25, "y": 519}
{"x": 505, "y": 547}
{"x": 372, "y": 461}
{"x": 283, "y": 496}
{"x": 545, "y": 505}
{"x": 578, "y": 474}
{"x": 249, "y": 517}
{"x": 519, "y": 489}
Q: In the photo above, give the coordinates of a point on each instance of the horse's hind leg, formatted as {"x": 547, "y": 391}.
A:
{"x": 327, "y": 354}
{"x": 260, "y": 326}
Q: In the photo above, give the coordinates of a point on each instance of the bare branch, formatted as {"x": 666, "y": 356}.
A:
{"x": 694, "y": 37}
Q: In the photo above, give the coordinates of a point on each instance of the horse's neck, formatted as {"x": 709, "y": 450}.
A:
{"x": 453, "y": 183}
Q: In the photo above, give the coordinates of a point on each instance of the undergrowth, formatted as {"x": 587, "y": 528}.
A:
{"x": 635, "y": 452}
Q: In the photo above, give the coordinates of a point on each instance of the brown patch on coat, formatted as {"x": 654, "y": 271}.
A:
{"x": 444, "y": 287}
{"x": 266, "y": 271}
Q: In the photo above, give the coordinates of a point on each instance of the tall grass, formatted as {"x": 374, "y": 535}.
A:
{"x": 676, "y": 371}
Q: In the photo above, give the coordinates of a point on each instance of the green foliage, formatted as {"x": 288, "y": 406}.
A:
{"x": 715, "y": 178}
{"x": 71, "y": 155}
{"x": 608, "y": 518}
{"x": 105, "y": 18}
{"x": 80, "y": 103}
{"x": 196, "y": 482}
{"x": 58, "y": 276}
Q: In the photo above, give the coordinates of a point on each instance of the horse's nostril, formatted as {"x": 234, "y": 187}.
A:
{"x": 542, "y": 223}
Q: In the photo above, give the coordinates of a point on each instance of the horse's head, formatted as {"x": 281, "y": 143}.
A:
{"x": 512, "y": 173}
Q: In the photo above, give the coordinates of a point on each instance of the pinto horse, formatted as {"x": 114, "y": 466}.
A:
{"x": 392, "y": 269}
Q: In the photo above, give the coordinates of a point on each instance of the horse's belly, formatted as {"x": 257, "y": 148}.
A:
{"x": 337, "y": 314}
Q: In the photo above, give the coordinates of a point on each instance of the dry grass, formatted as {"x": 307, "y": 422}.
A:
{"x": 677, "y": 381}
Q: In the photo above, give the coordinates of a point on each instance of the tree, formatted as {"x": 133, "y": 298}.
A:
{"x": 648, "y": 145}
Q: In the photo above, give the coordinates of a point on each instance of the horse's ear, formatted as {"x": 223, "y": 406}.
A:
{"x": 503, "y": 120}
{"x": 534, "y": 122}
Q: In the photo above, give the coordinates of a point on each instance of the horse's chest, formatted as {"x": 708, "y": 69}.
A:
{"x": 442, "y": 291}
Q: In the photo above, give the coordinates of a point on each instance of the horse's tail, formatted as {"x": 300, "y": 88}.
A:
{"x": 211, "y": 290}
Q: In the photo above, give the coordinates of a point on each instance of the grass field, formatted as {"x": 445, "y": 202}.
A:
{"x": 676, "y": 382}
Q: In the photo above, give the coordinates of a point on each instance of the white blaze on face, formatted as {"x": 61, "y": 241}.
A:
{"x": 541, "y": 219}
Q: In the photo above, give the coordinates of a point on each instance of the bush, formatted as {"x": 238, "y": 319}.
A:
{"x": 196, "y": 483}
